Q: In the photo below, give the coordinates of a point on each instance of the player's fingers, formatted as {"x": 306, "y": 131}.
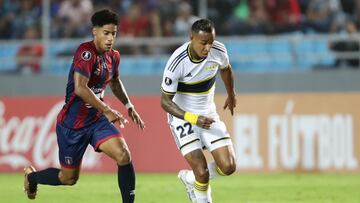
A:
{"x": 225, "y": 105}
{"x": 232, "y": 111}
{"x": 142, "y": 124}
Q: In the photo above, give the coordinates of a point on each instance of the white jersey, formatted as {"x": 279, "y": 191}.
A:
{"x": 193, "y": 81}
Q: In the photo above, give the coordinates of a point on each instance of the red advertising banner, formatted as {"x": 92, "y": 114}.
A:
{"x": 27, "y": 136}
{"x": 271, "y": 133}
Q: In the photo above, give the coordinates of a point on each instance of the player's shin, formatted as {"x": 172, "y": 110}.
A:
{"x": 213, "y": 172}
{"x": 126, "y": 181}
{"x": 48, "y": 176}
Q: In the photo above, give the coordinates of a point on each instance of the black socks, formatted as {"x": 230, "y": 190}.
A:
{"x": 126, "y": 181}
{"x": 48, "y": 176}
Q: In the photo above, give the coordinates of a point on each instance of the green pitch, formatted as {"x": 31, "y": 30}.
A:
{"x": 165, "y": 188}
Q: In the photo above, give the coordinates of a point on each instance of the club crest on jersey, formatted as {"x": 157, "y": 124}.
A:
{"x": 68, "y": 160}
{"x": 168, "y": 81}
{"x": 86, "y": 55}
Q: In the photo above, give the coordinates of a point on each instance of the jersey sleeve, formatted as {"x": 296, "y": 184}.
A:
{"x": 84, "y": 60}
{"x": 224, "y": 59}
{"x": 170, "y": 78}
{"x": 221, "y": 54}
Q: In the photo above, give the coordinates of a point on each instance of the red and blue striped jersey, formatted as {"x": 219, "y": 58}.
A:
{"x": 100, "y": 69}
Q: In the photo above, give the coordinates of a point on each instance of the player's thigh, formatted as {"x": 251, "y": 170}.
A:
{"x": 117, "y": 149}
{"x": 102, "y": 131}
{"x": 215, "y": 137}
{"x": 224, "y": 158}
{"x": 72, "y": 146}
{"x": 107, "y": 138}
{"x": 185, "y": 134}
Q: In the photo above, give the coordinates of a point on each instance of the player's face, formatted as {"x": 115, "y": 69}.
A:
{"x": 201, "y": 43}
{"x": 104, "y": 37}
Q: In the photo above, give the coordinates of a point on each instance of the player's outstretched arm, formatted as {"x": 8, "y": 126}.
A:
{"x": 119, "y": 91}
{"x": 172, "y": 108}
{"x": 228, "y": 78}
{"x": 83, "y": 91}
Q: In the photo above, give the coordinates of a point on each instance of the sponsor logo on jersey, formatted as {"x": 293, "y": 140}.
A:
{"x": 213, "y": 67}
{"x": 86, "y": 55}
{"x": 168, "y": 81}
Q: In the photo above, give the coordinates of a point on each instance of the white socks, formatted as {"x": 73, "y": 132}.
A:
{"x": 202, "y": 190}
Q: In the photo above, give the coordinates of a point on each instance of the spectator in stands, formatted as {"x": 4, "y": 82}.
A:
{"x": 348, "y": 44}
{"x": 75, "y": 15}
{"x": 27, "y": 15}
{"x": 134, "y": 23}
{"x": 7, "y": 15}
{"x": 285, "y": 15}
{"x": 218, "y": 12}
{"x": 29, "y": 55}
{"x": 324, "y": 16}
{"x": 184, "y": 19}
{"x": 249, "y": 17}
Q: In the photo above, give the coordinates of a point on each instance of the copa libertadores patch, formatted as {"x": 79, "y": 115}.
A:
{"x": 168, "y": 81}
{"x": 86, "y": 55}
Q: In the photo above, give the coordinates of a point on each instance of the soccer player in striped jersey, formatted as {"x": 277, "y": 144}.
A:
{"x": 86, "y": 119}
{"x": 188, "y": 88}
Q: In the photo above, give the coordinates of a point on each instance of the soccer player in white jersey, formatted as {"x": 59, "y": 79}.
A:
{"x": 188, "y": 88}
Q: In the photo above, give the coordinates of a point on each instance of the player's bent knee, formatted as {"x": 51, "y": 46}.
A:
{"x": 123, "y": 157}
{"x": 228, "y": 168}
{"x": 70, "y": 180}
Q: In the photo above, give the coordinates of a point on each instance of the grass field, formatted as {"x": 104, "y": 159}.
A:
{"x": 165, "y": 188}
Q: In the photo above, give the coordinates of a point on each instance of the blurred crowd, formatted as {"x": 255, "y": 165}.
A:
{"x": 21, "y": 19}
{"x": 149, "y": 18}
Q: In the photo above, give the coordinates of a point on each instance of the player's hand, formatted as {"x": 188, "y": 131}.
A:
{"x": 115, "y": 117}
{"x": 136, "y": 118}
{"x": 204, "y": 122}
{"x": 230, "y": 103}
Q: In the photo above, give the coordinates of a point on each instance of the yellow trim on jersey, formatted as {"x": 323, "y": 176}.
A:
{"x": 168, "y": 93}
{"x": 191, "y": 58}
{"x": 200, "y": 81}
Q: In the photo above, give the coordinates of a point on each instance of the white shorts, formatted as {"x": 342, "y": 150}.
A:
{"x": 189, "y": 137}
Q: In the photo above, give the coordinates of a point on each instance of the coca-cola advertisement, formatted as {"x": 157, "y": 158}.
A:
{"x": 28, "y": 136}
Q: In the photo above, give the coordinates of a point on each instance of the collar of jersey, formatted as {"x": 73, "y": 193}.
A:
{"x": 191, "y": 58}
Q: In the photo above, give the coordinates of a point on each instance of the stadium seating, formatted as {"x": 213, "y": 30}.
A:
{"x": 247, "y": 54}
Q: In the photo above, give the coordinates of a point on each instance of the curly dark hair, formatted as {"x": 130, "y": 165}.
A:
{"x": 104, "y": 17}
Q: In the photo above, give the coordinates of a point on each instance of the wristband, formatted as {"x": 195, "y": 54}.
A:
{"x": 191, "y": 117}
{"x": 129, "y": 105}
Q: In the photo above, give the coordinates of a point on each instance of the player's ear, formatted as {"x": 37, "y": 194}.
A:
{"x": 191, "y": 35}
{"x": 94, "y": 30}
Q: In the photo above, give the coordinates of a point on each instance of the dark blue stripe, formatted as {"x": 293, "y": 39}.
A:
{"x": 217, "y": 48}
{"x": 166, "y": 92}
{"x": 177, "y": 63}
{"x": 196, "y": 88}
{"x": 112, "y": 67}
{"x": 176, "y": 59}
{"x": 220, "y": 46}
